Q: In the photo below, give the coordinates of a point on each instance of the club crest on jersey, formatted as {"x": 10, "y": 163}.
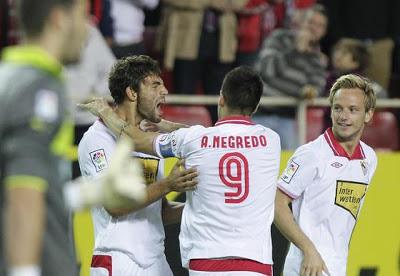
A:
{"x": 99, "y": 159}
{"x": 336, "y": 165}
{"x": 290, "y": 171}
{"x": 364, "y": 166}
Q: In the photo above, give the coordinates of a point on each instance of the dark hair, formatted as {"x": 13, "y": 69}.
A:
{"x": 130, "y": 72}
{"x": 357, "y": 49}
{"x": 242, "y": 89}
{"x": 33, "y": 14}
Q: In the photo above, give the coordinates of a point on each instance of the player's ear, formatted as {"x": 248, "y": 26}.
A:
{"x": 368, "y": 115}
{"x": 221, "y": 100}
{"x": 131, "y": 94}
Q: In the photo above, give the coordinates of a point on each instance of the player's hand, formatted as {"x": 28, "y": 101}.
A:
{"x": 309, "y": 92}
{"x": 182, "y": 180}
{"x": 313, "y": 264}
{"x": 146, "y": 125}
{"x": 97, "y": 106}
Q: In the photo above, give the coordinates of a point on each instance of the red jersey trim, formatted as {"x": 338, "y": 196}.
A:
{"x": 103, "y": 261}
{"x": 230, "y": 265}
{"x": 338, "y": 150}
{"x": 238, "y": 119}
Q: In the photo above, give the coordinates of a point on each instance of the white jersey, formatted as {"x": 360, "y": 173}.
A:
{"x": 231, "y": 211}
{"x": 328, "y": 188}
{"x": 140, "y": 235}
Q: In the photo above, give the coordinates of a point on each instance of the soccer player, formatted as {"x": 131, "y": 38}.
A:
{"x": 226, "y": 221}
{"x": 326, "y": 180}
{"x": 130, "y": 240}
{"x": 34, "y": 139}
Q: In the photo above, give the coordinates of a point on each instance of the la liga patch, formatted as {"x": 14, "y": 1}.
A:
{"x": 99, "y": 159}
{"x": 290, "y": 171}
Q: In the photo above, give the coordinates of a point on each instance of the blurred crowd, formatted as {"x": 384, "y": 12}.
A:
{"x": 299, "y": 47}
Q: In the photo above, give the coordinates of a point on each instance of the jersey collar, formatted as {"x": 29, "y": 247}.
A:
{"x": 33, "y": 56}
{"x": 238, "y": 119}
{"x": 338, "y": 150}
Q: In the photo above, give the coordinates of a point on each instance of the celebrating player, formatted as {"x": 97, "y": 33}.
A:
{"x": 226, "y": 221}
{"x": 130, "y": 240}
{"x": 326, "y": 180}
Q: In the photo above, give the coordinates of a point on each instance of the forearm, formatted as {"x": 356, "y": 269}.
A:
{"x": 287, "y": 225}
{"x": 112, "y": 120}
{"x": 143, "y": 140}
{"x": 154, "y": 192}
{"x": 24, "y": 229}
{"x": 168, "y": 126}
{"x": 172, "y": 212}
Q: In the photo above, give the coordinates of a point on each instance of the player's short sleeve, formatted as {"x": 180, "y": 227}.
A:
{"x": 301, "y": 170}
{"x": 173, "y": 144}
{"x": 94, "y": 154}
{"x": 33, "y": 123}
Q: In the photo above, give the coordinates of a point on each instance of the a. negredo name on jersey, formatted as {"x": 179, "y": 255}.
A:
{"x": 234, "y": 142}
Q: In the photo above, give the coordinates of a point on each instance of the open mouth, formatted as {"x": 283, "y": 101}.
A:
{"x": 159, "y": 108}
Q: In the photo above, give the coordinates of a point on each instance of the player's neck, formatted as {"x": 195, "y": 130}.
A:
{"x": 138, "y": 118}
{"x": 47, "y": 44}
{"x": 234, "y": 114}
{"x": 127, "y": 112}
{"x": 349, "y": 146}
{"x": 228, "y": 112}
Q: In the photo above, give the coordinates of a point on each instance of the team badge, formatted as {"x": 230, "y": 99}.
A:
{"x": 99, "y": 159}
{"x": 336, "y": 165}
{"x": 290, "y": 171}
{"x": 364, "y": 166}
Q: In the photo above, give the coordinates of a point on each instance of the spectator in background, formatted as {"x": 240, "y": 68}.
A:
{"x": 199, "y": 41}
{"x": 255, "y": 21}
{"x": 296, "y": 10}
{"x": 377, "y": 24}
{"x": 86, "y": 79}
{"x": 291, "y": 64}
{"x": 101, "y": 11}
{"x": 351, "y": 56}
{"x": 128, "y": 19}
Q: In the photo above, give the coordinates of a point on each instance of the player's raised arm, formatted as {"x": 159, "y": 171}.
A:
{"x": 143, "y": 140}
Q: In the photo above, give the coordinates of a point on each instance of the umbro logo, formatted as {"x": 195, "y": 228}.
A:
{"x": 336, "y": 165}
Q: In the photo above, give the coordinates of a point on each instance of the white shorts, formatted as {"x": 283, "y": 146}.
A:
{"x": 119, "y": 264}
